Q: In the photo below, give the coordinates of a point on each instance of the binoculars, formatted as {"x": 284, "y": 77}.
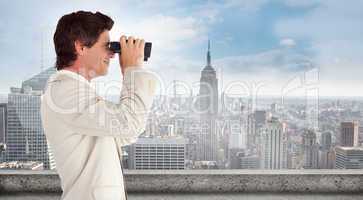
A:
{"x": 115, "y": 47}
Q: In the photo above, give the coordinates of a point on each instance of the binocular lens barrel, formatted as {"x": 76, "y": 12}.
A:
{"x": 115, "y": 47}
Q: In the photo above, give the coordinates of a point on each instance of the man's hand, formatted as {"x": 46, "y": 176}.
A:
{"x": 132, "y": 53}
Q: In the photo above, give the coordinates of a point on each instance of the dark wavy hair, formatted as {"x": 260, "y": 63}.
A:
{"x": 83, "y": 26}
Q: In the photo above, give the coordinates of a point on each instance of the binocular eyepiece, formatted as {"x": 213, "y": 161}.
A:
{"x": 115, "y": 47}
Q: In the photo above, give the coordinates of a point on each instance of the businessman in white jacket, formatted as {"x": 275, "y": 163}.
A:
{"x": 84, "y": 131}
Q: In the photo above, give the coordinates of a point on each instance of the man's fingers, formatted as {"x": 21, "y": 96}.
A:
{"x": 137, "y": 42}
{"x": 123, "y": 41}
{"x": 130, "y": 41}
{"x": 132, "y": 51}
{"x": 142, "y": 44}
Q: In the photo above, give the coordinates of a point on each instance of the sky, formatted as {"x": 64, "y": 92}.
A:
{"x": 260, "y": 47}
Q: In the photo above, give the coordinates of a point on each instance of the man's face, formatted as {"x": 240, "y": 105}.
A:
{"x": 97, "y": 58}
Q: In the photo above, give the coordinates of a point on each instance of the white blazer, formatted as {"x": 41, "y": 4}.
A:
{"x": 85, "y": 132}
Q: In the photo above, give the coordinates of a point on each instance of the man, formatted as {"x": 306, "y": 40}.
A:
{"x": 84, "y": 131}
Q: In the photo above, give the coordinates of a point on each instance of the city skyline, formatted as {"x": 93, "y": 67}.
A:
{"x": 268, "y": 140}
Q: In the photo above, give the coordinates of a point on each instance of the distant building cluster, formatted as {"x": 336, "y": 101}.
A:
{"x": 209, "y": 130}
{"x": 21, "y": 133}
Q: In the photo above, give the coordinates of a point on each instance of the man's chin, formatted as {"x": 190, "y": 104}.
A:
{"x": 104, "y": 71}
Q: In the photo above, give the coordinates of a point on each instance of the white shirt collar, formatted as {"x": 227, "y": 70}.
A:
{"x": 73, "y": 75}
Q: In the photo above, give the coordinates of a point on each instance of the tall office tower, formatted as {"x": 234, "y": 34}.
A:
{"x": 325, "y": 141}
{"x": 191, "y": 130}
{"x": 273, "y": 107}
{"x": 151, "y": 125}
{"x": 237, "y": 135}
{"x": 349, "y": 157}
{"x": 261, "y": 117}
{"x": 39, "y": 81}
{"x": 25, "y": 138}
{"x": 360, "y": 130}
{"x": 349, "y": 134}
{"x": 310, "y": 149}
{"x": 158, "y": 153}
{"x": 178, "y": 122}
{"x": 294, "y": 157}
{"x": 251, "y": 131}
{"x": 225, "y": 138}
{"x": 326, "y": 159}
{"x": 255, "y": 122}
{"x": 3, "y": 130}
{"x": 3, "y": 98}
{"x": 326, "y": 153}
{"x": 3, "y": 122}
{"x": 273, "y": 145}
{"x": 207, "y": 139}
{"x": 235, "y": 146}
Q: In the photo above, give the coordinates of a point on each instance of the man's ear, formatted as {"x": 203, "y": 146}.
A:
{"x": 80, "y": 49}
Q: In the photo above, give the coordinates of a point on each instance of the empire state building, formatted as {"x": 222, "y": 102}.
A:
{"x": 208, "y": 92}
{"x": 207, "y": 140}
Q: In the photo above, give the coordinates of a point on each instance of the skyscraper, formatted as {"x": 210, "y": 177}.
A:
{"x": 273, "y": 108}
{"x": 3, "y": 122}
{"x": 349, "y": 134}
{"x": 25, "y": 138}
{"x": 349, "y": 158}
{"x": 3, "y": 129}
{"x": 310, "y": 149}
{"x": 207, "y": 139}
{"x": 260, "y": 117}
{"x": 326, "y": 153}
{"x": 255, "y": 122}
{"x": 273, "y": 146}
{"x": 3, "y": 98}
{"x": 325, "y": 141}
{"x": 208, "y": 91}
{"x": 158, "y": 153}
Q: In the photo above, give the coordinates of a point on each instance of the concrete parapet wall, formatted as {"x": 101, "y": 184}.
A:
{"x": 201, "y": 181}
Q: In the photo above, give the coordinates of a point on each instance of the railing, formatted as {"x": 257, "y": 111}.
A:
{"x": 201, "y": 181}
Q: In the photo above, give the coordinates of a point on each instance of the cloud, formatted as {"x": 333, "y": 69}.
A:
{"x": 335, "y": 34}
{"x": 245, "y": 5}
{"x": 301, "y": 4}
{"x": 287, "y": 42}
{"x": 168, "y": 32}
{"x": 279, "y": 60}
{"x": 210, "y": 12}
{"x": 152, "y": 5}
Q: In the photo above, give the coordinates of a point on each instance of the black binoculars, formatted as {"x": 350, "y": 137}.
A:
{"x": 115, "y": 47}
